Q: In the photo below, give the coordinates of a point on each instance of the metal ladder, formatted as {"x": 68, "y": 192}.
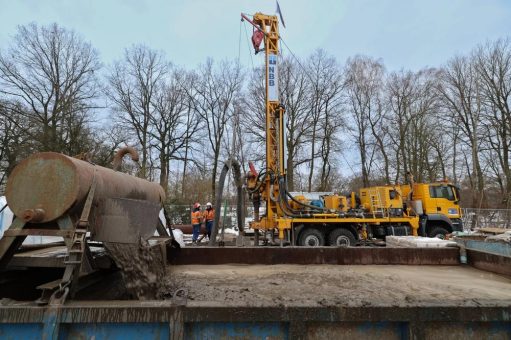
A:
{"x": 77, "y": 248}
{"x": 376, "y": 203}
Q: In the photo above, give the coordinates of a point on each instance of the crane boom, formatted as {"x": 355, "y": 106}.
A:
{"x": 274, "y": 120}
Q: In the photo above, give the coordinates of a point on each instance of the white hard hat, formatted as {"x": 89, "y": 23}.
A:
{"x": 209, "y": 203}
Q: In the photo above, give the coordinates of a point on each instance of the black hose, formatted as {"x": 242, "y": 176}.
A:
{"x": 297, "y": 201}
{"x": 241, "y": 197}
{"x": 261, "y": 178}
{"x": 259, "y": 183}
{"x": 232, "y": 163}
{"x": 304, "y": 204}
{"x": 294, "y": 212}
{"x": 3, "y": 208}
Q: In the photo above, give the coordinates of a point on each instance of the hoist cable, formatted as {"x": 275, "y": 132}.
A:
{"x": 298, "y": 61}
{"x": 248, "y": 45}
{"x": 239, "y": 44}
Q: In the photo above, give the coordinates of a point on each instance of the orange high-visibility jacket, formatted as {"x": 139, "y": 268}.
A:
{"x": 209, "y": 215}
{"x": 196, "y": 217}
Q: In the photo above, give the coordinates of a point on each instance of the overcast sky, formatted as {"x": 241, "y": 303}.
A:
{"x": 404, "y": 33}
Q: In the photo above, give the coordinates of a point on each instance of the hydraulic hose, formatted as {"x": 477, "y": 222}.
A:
{"x": 235, "y": 165}
{"x": 240, "y": 204}
{"x": 282, "y": 185}
{"x": 3, "y": 208}
{"x": 261, "y": 177}
{"x": 297, "y": 201}
{"x": 290, "y": 211}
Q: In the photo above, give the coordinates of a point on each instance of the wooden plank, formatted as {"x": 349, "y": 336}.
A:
{"x": 38, "y": 232}
{"x": 43, "y": 252}
{"x": 40, "y": 262}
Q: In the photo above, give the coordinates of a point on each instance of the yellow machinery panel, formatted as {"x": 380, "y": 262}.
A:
{"x": 377, "y": 199}
{"x": 299, "y": 198}
{"x": 336, "y": 202}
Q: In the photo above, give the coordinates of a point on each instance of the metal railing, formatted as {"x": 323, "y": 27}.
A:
{"x": 486, "y": 218}
{"x": 472, "y": 218}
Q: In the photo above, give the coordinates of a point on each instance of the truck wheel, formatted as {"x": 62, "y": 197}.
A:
{"x": 438, "y": 232}
{"x": 341, "y": 237}
{"x": 311, "y": 237}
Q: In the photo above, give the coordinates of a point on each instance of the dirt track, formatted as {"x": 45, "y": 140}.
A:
{"x": 333, "y": 285}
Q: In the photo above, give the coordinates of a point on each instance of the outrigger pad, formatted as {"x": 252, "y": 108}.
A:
{"x": 127, "y": 221}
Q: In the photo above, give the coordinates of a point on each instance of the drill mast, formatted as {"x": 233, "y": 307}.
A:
{"x": 266, "y": 27}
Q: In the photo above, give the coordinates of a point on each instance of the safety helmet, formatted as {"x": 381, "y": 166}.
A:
{"x": 209, "y": 204}
{"x": 196, "y": 205}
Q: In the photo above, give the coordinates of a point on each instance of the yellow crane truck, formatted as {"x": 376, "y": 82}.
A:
{"x": 415, "y": 209}
{"x": 419, "y": 209}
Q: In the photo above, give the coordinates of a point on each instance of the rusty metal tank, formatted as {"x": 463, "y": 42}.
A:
{"x": 48, "y": 185}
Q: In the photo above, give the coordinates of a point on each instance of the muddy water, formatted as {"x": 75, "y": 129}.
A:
{"x": 142, "y": 267}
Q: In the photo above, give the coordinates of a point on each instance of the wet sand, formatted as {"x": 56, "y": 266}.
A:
{"x": 334, "y": 285}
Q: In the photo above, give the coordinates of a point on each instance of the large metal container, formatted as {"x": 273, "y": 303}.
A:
{"x": 360, "y": 316}
{"x": 48, "y": 185}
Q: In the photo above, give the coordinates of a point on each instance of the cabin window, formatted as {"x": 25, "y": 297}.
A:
{"x": 441, "y": 191}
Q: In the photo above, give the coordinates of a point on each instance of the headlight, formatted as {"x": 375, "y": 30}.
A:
{"x": 452, "y": 211}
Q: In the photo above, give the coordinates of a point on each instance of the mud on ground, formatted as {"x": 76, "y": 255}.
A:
{"x": 142, "y": 268}
{"x": 333, "y": 285}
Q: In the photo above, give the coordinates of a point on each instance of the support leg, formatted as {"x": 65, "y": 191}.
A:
{"x": 9, "y": 244}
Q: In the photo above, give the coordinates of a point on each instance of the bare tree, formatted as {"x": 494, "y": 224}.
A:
{"x": 133, "y": 84}
{"x": 213, "y": 94}
{"x": 492, "y": 63}
{"x": 363, "y": 85}
{"x": 461, "y": 94}
{"x": 325, "y": 99}
{"x": 173, "y": 122}
{"x": 14, "y": 143}
{"x": 400, "y": 94}
{"x": 47, "y": 77}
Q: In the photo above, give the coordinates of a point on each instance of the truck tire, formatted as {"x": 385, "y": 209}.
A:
{"x": 438, "y": 232}
{"x": 311, "y": 237}
{"x": 341, "y": 237}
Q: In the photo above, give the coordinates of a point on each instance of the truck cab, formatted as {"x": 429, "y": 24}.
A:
{"x": 439, "y": 209}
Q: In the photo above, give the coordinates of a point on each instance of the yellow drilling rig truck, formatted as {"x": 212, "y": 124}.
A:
{"x": 419, "y": 209}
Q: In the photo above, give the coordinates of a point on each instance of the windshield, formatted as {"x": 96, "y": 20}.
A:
{"x": 442, "y": 191}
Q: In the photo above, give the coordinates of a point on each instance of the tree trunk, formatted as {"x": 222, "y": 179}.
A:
{"x": 290, "y": 168}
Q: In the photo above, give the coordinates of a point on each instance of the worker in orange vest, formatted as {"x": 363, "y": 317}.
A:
{"x": 196, "y": 222}
{"x": 209, "y": 216}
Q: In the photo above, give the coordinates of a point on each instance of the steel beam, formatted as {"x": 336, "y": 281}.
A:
{"x": 322, "y": 255}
